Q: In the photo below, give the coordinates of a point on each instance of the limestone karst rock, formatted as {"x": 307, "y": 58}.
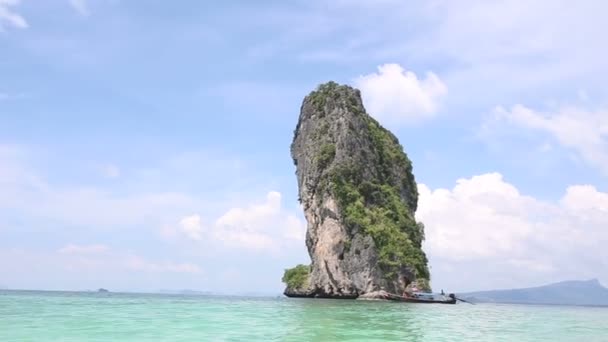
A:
{"x": 359, "y": 198}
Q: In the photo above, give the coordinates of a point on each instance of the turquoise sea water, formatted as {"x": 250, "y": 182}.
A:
{"x": 73, "y": 316}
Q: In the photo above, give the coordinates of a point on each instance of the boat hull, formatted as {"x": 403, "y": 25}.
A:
{"x": 396, "y": 298}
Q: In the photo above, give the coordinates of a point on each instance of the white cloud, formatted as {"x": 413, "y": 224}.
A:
{"x": 83, "y": 249}
{"x": 397, "y": 96}
{"x": 191, "y": 226}
{"x": 458, "y": 221}
{"x": 585, "y": 199}
{"x": 584, "y": 131}
{"x": 253, "y": 215}
{"x": 263, "y": 226}
{"x": 484, "y": 233}
{"x": 81, "y": 7}
{"x": 9, "y": 17}
{"x": 258, "y": 226}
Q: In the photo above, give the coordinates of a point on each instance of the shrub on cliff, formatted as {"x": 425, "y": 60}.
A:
{"x": 326, "y": 155}
{"x": 297, "y": 277}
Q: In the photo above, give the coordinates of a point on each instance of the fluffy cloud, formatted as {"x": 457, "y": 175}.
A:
{"x": 191, "y": 227}
{"x": 9, "y": 17}
{"x": 583, "y": 131}
{"x": 263, "y": 226}
{"x": 81, "y": 7}
{"x": 394, "y": 95}
{"x": 585, "y": 198}
{"x": 485, "y": 233}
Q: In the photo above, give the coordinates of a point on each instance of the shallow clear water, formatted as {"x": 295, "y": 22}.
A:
{"x": 65, "y": 316}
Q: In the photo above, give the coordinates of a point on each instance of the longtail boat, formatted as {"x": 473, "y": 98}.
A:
{"x": 423, "y": 297}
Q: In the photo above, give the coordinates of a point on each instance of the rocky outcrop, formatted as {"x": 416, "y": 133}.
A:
{"x": 376, "y": 295}
{"x": 359, "y": 197}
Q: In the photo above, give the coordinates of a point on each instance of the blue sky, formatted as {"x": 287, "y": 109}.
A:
{"x": 147, "y": 147}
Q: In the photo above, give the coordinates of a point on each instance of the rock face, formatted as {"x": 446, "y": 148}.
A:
{"x": 359, "y": 197}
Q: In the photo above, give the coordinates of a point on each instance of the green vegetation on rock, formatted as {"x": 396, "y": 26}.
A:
{"x": 296, "y": 278}
{"x": 347, "y": 245}
{"x": 423, "y": 284}
{"x": 377, "y": 208}
{"x": 321, "y": 131}
{"x": 391, "y": 156}
{"x": 326, "y": 155}
{"x": 322, "y": 93}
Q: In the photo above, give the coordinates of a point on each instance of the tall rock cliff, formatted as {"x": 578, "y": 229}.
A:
{"x": 359, "y": 197}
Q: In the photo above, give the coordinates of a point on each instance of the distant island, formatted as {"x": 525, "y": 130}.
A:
{"x": 573, "y": 292}
{"x": 102, "y": 290}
